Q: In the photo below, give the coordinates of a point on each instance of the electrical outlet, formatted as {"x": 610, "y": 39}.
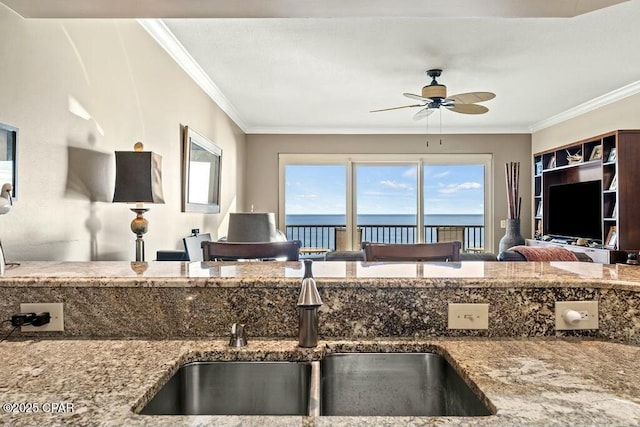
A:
{"x": 587, "y": 319}
{"x": 503, "y": 223}
{"x": 468, "y": 316}
{"x": 54, "y": 309}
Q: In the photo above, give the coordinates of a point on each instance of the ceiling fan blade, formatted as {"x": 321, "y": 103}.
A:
{"x": 418, "y": 97}
{"x": 423, "y": 113}
{"x": 396, "y": 108}
{"x": 469, "y": 108}
{"x": 471, "y": 97}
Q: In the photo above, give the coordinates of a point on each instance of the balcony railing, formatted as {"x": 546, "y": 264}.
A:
{"x": 333, "y": 236}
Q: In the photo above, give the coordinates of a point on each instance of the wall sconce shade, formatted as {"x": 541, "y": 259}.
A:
{"x": 138, "y": 177}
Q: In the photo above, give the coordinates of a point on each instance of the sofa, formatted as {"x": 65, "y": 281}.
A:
{"x": 534, "y": 253}
{"x": 359, "y": 256}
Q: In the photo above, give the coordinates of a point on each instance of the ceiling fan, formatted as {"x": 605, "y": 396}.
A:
{"x": 434, "y": 96}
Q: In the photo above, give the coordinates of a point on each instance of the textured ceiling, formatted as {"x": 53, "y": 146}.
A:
{"x": 323, "y": 75}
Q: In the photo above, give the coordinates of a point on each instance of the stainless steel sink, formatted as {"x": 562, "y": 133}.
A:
{"x": 235, "y": 388}
{"x": 395, "y": 384}
{"x": 350, "y": 384}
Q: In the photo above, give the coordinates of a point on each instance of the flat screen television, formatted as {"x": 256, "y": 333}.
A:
{"x": 575, "y": 210}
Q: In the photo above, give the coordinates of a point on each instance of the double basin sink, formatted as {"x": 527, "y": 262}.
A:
{"x": 347, "y": 384}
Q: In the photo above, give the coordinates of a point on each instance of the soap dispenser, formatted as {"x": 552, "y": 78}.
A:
{"x": 308, "y": 304}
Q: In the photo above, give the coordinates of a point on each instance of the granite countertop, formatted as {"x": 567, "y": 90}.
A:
{"x": 344, "y": 274}
{"x": 529, "y": 382}
{"x": 532, "y": 381}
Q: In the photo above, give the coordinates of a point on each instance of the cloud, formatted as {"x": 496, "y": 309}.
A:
{"x": 395, "y": 184}
{"x": 454, "y": 188}
{"x": 306, "y": 196}
{"x": 410, "y": 173}
{"x": 442, "y": 174}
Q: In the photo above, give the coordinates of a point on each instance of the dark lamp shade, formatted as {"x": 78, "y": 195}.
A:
{"x": 138, "y": 177}
{"x": 252, "y": 227}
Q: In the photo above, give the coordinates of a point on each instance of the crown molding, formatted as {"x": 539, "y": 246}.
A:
{"x": 594, "y": 104}
{"x": 304, "y": 9}
{"x": 165, "y": 38}
{"x": 380, "y": 131}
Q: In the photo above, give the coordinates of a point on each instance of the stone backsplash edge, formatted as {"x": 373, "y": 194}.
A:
{"x": 348, "y": 312}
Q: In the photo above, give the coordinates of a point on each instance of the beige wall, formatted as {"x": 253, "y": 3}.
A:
{"x": 133, "y": 91}
{"x": 262, "y": 162}
{"x": 624, "y": 114}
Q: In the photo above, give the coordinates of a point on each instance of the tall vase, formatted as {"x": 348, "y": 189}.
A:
{"x": 512, "y": 236}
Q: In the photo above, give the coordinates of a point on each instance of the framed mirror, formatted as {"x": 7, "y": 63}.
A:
{"x": 8, "y": 158}
{"x": 200, "y": 173}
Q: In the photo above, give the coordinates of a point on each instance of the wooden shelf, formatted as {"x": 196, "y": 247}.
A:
{"x": 552, "y": 167}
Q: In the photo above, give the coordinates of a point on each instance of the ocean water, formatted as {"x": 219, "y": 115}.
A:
{"x": 320, "y": 230}
{"x": 429, "y": 220}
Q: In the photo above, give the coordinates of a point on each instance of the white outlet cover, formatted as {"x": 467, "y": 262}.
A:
{"x": 468, "y": 316}
{"x": 54, "y": 309}
{"x": 588, "y": 310}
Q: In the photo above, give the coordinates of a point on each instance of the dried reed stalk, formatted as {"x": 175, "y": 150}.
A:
{"x": 514, "y": 201}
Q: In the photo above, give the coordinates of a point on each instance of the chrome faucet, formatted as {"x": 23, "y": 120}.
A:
{"x": 237, "y": 336}
{"x": 308, "y": 304}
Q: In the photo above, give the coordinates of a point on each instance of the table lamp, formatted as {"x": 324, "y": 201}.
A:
{"x": 139, "y": 181}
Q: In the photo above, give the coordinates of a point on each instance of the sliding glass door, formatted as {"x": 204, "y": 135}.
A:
{"x": 386, "y": 203}
{"x": 336, "y": 202}
{"x": 454, "y": 204}
{"x": 315, "y": 205}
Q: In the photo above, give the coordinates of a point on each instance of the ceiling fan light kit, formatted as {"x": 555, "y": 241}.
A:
{"x": 434, "y": 96}
{"x": 434, "y": 90}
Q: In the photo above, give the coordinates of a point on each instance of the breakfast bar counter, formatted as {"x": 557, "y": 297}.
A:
{"x": 182, "y": 300}
{"x": 343, "y": 273}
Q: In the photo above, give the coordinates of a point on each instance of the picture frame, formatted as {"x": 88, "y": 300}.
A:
{"x": 8, "y": 158}
{"x": 612, "y": 155}
{"x": 612, "y": 238}
{"x": 596, "y": 153}
{"x": 614, "y": 183}
{"x": 538, "y": 168}
{"x": 201, "y": 172}
{"x": 539, "y": 210}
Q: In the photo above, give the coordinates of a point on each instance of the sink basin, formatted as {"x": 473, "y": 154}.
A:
{"x": 348, "y": 384}
{"x": 395, "y": 384}
{"x": 234, "y": 388}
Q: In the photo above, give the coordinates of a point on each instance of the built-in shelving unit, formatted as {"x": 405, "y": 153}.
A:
{"x": 612, "y": 158}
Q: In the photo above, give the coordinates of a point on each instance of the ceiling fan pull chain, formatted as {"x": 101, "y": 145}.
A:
{"x": 440, "y": 112}
{"x": 427, "y": 131}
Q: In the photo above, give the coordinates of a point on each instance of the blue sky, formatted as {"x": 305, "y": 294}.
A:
{"x": 384, "y": 189}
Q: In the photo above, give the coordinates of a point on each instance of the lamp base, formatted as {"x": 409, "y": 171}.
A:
{"x": 139, "y": 226}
